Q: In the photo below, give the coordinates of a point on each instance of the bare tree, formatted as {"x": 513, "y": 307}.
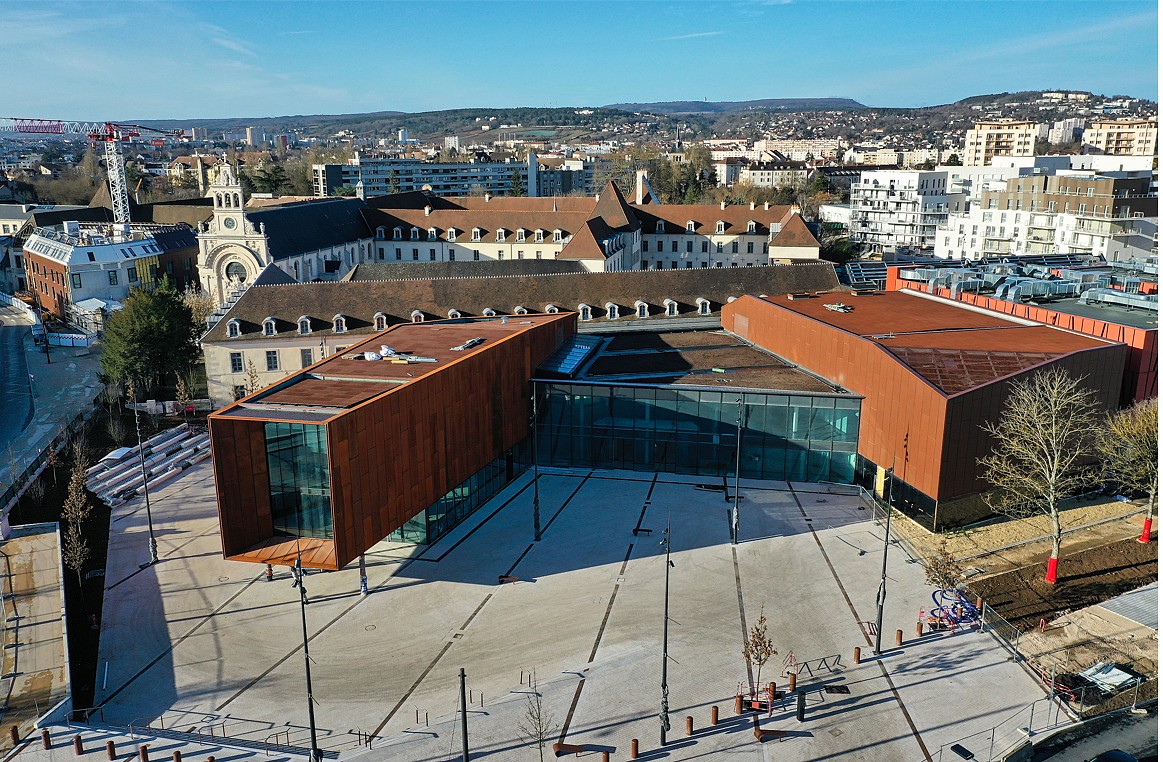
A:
{"x": 252, "y": 382}
{"x": 758, "y": 648}
{"x": 75, "y": 546}
{"x": 1128, "y": 443}
{"x": 941, "y": 569}
{"x": 201, "y": 304}
{"x": 75, "y": 552}
{"x": 116, "y": 429}
{"x": 35, "y": 492}
{"x": 182, "y": 394}
{"x": 1043, "y": 439}
{"x": 538, "y": 725}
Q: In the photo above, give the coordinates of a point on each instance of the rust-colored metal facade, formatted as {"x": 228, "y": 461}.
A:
{"x": 932, "y": 435}
{"x": 391, "y": 454}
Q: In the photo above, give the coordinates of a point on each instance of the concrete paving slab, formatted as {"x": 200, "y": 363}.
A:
{"x": 214, "y": 644}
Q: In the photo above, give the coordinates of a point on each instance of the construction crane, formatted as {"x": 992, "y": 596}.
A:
{"x": 112, "y": 134}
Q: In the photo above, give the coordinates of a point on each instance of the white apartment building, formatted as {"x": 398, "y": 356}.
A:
{"x": 381, "y": 176}
{"x": 802, "y": 149}
{"x": 1000, "y": 137}
{"x": 1121, "y": 137}
{"x": 786, "y": 174}
{"x": 898, "y": 208}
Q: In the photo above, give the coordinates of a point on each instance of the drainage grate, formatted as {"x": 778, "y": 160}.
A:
{"x": 837, "y": 689}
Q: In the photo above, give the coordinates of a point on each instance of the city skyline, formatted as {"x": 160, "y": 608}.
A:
{"x": 228, "y": 59}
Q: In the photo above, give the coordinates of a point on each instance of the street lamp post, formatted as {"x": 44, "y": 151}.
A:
{"x": 882, "y": 594}
{"x": 300, "y": 577}
{"x": 536, "y": 474}
{"x": 664, "y": 713}
{"x": 144, "y": 476}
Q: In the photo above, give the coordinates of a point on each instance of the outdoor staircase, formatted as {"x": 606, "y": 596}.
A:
{"x": 118, "y": 476}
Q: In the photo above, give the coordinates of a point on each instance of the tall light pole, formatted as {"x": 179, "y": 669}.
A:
{"x": 882, "y": 594}
{"x": 300, "y": 577}
{"x": 664, "y": 713}
{"x": 536, "y": 473}
{"x": 144, "y": 475}
{"x": 738, "y": 455}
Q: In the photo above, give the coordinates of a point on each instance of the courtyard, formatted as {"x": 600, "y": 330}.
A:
{"x": 218, "y": 649}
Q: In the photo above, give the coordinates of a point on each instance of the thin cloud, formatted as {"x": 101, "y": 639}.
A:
{"x": 689, "y": 36}
{"x": 292, "y": 34}
{"x": 234, "y": 45}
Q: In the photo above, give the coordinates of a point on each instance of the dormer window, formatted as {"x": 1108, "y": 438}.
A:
{"x": 454, "y": 314}
{"x": 415, "y": 234}
{"x": 751, "y": 226}
{"x": 380, "y": 233}
{"x": 268, "y": 327}
{"x": 720, "y": 227}
{"x": 500, "y": 235}
{"x": 611, "y": 311}
{"x": 233, "y": 328}
{"x": 452, "y": 234}
{"x": 585, "y": 312}
{"x": 538, "y": 236}
{"x": 660, "y": 227}
{"x": 690, "y": 226}
{"x": 557, "y": 236}
{"x": 417, "y": 316}
{"x": 704, "y": 306}
{"x": 489, "y": 312}
{"x": 476, "y": 234}
{"x": 552, "y": 309}
{"x": 339, "y": 324}
{"x": 521, "y": 235}
{"x": 431, "y": 234}
{"x": 641, "y": 309}
{"x": 671, "y": 307}
{"x": 381, "y": 321}
{"x": 519, "y": 310}
{"x": 397, "y": 234}
{"x": 304, "y": 325}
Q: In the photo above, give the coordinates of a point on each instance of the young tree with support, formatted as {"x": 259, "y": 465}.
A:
{"x": 1128, "y": 442}
{"x": 1043, "y": 440}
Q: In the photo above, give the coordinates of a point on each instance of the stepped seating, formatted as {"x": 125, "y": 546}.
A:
{"x": 167, "y": 454}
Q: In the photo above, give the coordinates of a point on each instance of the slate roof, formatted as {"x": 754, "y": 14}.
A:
{"x": 310, "y": 226}
{"x": 359, "y": 301}
{"x": 459, "y": 269}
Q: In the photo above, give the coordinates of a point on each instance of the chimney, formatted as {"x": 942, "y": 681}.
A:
{"x": 639, "y": 186}
{"x": 753, "y": 206}
{"x": 766, "y": 205}
{"x": 428, "y": 209}
{"x": 723, "y": 204}
{"x": 488, "y": 197}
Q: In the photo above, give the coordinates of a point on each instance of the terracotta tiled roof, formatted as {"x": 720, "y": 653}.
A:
{"x": 705, "y": 217}
{"x": 794, "y": 232}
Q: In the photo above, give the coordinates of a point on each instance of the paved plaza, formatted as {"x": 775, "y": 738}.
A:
{"x": 197, "y": 643}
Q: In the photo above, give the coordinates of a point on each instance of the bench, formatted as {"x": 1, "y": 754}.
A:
{"x": 762, "y": 735}
{"x": 638, "y": 530}
{"x": 503, "y": 578}
{"x": 561, "y": 749}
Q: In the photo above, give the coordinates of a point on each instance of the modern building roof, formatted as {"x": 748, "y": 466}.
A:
{"x": 954, "y": 347}
{"x": 343, "y": 381}
{"x": 360, "y": 301}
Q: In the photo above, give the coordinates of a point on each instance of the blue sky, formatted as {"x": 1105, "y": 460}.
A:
{"x": 139, "y": 59}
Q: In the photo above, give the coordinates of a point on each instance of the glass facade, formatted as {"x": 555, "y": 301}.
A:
{"x": 438, "y": 519}
{"x": 300, "y": 479}
{"x": 690, "y": 430}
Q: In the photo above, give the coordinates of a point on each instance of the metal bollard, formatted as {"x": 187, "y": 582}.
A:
{"x": 690, "y": 725}
{"x": 143, "y": 752}
{"x": 855, "y": 657}
{"x": 605, "y": 756}
{"x": 714, "y": 716}
{"x": 770, "y": 694}
{"x": 920, "y": 629}
{"x": 738, "y": 705}
{"x": 14, "y": 734}
{"x": 801, "y": 704}
{"x": 791, "y": 683}
{"x": 45, "y": 739}
{"x": 177, "y": 755}
{"x": 900, "y": 637}
{"x": 633, "y": 748}
{"x": 78, "y": 745}
{"x": 980, "y": 603}
{"x": 111, "y": 750}
{"x": 210, "y": 758}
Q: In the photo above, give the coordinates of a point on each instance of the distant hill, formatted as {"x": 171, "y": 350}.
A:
{"x": 726, "y": 107}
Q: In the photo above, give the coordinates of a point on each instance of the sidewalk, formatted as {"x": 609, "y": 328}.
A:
{"x": 64, "y": 385}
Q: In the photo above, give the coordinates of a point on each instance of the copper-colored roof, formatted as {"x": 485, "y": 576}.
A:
{"x": 880, "y": 314}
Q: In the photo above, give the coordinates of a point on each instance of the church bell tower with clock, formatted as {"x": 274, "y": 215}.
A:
{"x": 231, "y": 250}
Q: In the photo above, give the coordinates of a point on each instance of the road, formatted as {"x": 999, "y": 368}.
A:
{"x": 15, "y": 391}
{"x": 1137, "y": 734}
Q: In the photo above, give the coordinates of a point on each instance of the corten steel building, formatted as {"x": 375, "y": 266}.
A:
{"x": 333, "y": 459}
{"x": 931, "y": 372}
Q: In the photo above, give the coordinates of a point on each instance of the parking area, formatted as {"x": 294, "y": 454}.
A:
{"x": 216, "y": 646}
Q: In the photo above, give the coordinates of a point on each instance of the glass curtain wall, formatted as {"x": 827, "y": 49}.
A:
{"x": 689, "y": 430}
{"x": 300, "y": 479}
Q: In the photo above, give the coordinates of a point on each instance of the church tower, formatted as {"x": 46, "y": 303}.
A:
{"x": 231, "y": 250}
